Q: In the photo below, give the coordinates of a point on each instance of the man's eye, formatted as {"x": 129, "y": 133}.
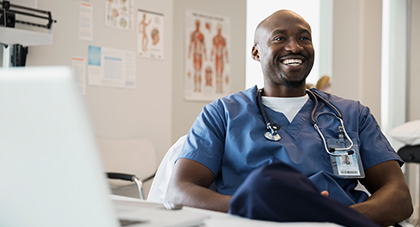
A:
{"x": 305, "y": 38}
{"x": 279, "y": 39}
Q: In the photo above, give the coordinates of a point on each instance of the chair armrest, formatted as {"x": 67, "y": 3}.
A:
{"x": 121, "y": 176}
{"x": 410, "y": 153}
{"x": 132, "y": 178}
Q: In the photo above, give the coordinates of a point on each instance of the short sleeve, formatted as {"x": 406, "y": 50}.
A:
{"x": 375, "y": 147}
{"x": 205, "y": 141}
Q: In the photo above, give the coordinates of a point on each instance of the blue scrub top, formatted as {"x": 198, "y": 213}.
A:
{"x": 228, "y": 138}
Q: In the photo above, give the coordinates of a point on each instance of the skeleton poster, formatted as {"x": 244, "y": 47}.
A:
{"x": 207, "y": 49}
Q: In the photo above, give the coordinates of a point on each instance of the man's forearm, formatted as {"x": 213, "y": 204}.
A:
{"x": 199, "y": 197}
{"x": 386, "y": 207}
{"x": 390, "y": 202}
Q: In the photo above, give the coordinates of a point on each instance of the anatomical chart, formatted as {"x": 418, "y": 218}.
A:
{"x": 207, "y": 52}
{"x": 119, "y": 14}
{"x": 150, "y": 34}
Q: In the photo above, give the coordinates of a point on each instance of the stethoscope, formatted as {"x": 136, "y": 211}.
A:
{"x": 272, "y": 127}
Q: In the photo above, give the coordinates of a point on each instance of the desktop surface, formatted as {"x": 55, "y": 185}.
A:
{"x": 152, "y": 214}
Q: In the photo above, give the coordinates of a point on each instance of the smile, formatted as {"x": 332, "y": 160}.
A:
{"x": 292, "y": 62}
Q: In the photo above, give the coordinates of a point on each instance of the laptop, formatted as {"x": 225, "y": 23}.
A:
{"x": 51, "y": 172}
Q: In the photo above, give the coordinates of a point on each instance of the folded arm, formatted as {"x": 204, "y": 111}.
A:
{"x": 390, "y": 202}
{"x": 189, "y": 187}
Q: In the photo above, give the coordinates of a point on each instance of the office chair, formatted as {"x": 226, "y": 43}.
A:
{"x": 163, "y": 174}
{"x": 130, "y": 165}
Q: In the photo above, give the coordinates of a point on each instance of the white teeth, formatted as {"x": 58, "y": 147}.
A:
{"x": 292, "y": 62}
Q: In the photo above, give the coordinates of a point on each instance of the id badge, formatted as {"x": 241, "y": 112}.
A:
{"x": 346, "y": 166}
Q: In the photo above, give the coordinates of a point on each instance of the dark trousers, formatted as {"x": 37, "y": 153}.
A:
{"x": 278, "y": 192}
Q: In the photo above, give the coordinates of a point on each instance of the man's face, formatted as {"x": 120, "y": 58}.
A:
{"x": 284, "y": 48}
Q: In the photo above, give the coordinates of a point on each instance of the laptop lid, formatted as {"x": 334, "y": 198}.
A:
{"x": 50, "y": 168}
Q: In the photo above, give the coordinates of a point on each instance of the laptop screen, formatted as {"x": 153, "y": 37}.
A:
{"x": 50, "y": 168}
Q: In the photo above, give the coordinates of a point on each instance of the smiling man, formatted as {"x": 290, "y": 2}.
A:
{"x": 283, "y": 45}
{"x": 276, "y": 153}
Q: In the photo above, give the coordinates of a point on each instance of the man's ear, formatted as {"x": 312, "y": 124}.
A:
{"x": 255, "y": 53}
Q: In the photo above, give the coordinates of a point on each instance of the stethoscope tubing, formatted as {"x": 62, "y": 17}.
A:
{"x": 335, "y": 149}
{"x": 273, "y": 127}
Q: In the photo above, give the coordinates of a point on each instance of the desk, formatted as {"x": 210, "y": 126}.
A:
{"x": 154, "y": 215}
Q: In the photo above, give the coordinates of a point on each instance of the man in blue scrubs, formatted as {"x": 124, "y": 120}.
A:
{"x": 293, "y": 178}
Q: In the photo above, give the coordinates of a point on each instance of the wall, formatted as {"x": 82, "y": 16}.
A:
{"x": 413, "y": 107}
{"x": 117, "y": 113}
{"x": 357, "y": 52}
{"x": 414, "y": 81}
{"x": 156, "y": 109}
{"x": 184, "y": 112}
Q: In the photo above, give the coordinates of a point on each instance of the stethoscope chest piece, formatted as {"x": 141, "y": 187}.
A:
{"x": 272, "y": 137}
{"x": 272, "y": 134}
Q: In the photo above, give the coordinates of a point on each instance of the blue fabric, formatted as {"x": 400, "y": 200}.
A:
{"x": 340, "y": 189}
{"x": 227, "y": 137}
{"x": 278, "y": 192}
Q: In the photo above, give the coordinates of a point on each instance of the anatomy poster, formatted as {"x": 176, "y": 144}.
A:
{"x": 149, "y": 34}
{"x": 207, "y": 51}
{"x": 119, "y": 14}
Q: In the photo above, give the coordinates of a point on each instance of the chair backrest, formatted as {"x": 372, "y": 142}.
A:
{"x": 132, "y": 156}
{"x": 163, "y": 175}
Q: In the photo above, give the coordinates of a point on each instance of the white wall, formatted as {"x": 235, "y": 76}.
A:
{"x": 414, "y": 81}
{"x": 413, "y": 107}
{"x": 357, "y": 51}
{"x": 117, "y": 113}
{"x": 156, "y": 109}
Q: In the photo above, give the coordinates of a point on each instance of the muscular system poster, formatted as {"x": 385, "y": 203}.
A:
{"x": 207, "y": 51}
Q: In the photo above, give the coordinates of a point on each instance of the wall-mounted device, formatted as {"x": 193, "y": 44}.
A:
{"x": 16, "y": 40}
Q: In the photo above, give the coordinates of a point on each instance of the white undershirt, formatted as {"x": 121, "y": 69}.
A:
{"x": 288, "y": 106}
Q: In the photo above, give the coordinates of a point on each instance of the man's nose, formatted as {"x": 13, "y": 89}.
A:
{"x": 293, "y": 46}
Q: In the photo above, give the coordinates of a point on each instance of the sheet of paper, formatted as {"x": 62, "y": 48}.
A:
{"x": 234, "y": 221}
{"x": 79, "y": 67}
{"x": 85, "y": 21}
{"x": 111, "y": 67}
